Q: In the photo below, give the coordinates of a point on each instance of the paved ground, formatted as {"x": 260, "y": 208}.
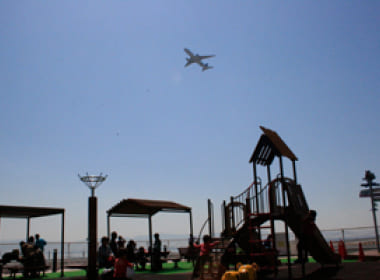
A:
{"x": 347, "y": 271}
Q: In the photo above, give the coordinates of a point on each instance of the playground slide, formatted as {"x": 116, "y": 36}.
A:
{"x": 316, "y": 243}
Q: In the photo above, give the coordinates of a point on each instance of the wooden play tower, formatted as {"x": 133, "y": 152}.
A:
{"x": 255, "y": 210}
{"x": 253, "y": 213}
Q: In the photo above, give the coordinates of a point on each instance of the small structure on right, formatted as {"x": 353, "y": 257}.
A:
{"x": 374, "y": 194}
{"x": 253, "y": 212}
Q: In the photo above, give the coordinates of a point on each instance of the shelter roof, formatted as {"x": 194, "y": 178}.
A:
{"x": 270, "y": 145}
{"x": 134, "y": 207}
{"x": 27, "y": 211}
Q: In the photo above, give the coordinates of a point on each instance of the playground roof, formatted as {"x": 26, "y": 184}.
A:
{"x": 28, "y": 212}
{"x": 134, "y": 207}
{"x": 270, "y": 145}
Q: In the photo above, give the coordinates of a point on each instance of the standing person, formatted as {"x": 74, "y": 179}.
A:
{"x": 121, "y": 242}
{"x": 40, "y": 243}
{"x": 113, "y": 243}
{"x": 104, "y": 253}
{"x": 204, "y": 256}
{"x": 131, "y": 251}
{"x": 141, "y": 258}
{"x": 191, "y": 251}
{"x": 121, "y": 265}
{"x": 156, "y": 254}
{"x": 307, "y": 229}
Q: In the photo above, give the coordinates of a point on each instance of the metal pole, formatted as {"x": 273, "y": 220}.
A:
{"x": 27, "y": 228}
{"x": 150, "y": 238}
{"x": 62, "y": 244}
{"x": 108, "y": 226}
{"x": 374, "y": 215}
{"x": 92, "y": 272}
{"x": 191, "y": 222}
{"x": 209, "y": 218}
{"x": 232, "y": 213}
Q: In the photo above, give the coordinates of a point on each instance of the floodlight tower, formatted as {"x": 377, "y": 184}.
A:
{"x": 92, "y": 182}
{"x": 369, "y": 178}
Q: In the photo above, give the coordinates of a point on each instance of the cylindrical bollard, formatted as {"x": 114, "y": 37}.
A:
{"x": 55, "y": 257}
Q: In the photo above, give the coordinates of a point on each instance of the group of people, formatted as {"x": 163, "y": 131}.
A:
{"x": 119, "y": 260}
{"x": 31, "y": 257}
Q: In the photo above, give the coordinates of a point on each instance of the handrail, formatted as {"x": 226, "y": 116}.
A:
{"x": 237, "y": 215}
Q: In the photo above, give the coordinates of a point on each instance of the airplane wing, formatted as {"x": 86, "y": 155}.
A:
{"x": 188, "y": 63}
{"x": 206, "y": 56}
{"x": 188, "y": 52}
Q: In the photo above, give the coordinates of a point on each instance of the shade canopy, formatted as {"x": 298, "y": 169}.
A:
{"x": 28, "y": 212}
{"x": 146, "y": 208}
{"x": 134, "y": 207}
{"x": 270, "y": 145}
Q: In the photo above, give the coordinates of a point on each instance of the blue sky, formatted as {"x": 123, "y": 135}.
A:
{"x": 100, "y": 86}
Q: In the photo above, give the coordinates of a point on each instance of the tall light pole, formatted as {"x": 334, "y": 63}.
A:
{"x": 369, "y": 177}
{"x": 92, "y": 182}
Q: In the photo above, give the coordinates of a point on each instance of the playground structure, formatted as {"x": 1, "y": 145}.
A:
{"x": 257, "y": 209}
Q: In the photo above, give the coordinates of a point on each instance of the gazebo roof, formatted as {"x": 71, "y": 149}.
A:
{"x": 27, "y": 211}
{"x": 134, "y": 207}
{"x": 270, "y": 145}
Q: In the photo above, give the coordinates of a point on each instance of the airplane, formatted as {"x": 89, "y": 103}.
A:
{"x": 197, "y": 59}
{"x": 205, "y": 66}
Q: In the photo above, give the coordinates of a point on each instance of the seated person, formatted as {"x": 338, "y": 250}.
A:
{"x": 11, "y": 256}
{"x": 32, "y": 258}
{"x": 141, "y": 258}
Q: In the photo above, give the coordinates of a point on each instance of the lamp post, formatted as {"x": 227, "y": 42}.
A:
{"x": 369, "y": 178}
{"x": 92, "y": 182}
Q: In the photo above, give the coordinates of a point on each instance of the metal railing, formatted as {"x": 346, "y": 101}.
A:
{"x": 77, "y": 251}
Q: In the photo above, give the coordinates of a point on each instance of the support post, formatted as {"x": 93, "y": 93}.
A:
{"x": 210, "y": 221}
{"x": 62, "y": 244}
{"x": 256, "y": 192}
{"x": 374, "y": 216}
{"x": 92, "y": 272}
{"x": 27, "y": 229}
{"x": 191, "y": 223}
{"x": 294, "y": 171}
{"x": 108, "y": 226}
{"x": 232, "y": 213}
{"x": 150, "y": 237}
{"x": 286, "y": 218}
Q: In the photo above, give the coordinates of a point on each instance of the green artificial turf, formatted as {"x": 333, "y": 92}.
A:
{"x": 167, "y": 268}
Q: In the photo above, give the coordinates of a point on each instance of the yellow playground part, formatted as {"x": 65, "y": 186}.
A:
{"x": 244, "y": 272}
{"x": 231, "y": 275}
{"x": 248, "y": 271}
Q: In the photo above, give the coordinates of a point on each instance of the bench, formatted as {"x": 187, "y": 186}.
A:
{"x": 188, "y": 253}
{"x": 14, "y": 267}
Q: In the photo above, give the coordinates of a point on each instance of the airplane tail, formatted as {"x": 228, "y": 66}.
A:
{"x": 206, "y": 67}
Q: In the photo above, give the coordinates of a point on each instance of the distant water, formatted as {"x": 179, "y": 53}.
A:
{"x": 78, "y": 250}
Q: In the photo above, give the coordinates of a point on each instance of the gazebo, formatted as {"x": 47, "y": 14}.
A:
{"x": 145, "y": 208}
{"x": 26, "y": 212}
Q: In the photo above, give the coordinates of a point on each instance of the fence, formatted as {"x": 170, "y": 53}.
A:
{"x": 78, "y": 250}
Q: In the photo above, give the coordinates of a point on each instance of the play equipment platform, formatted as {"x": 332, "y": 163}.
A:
{"x": 258, "y": 209}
